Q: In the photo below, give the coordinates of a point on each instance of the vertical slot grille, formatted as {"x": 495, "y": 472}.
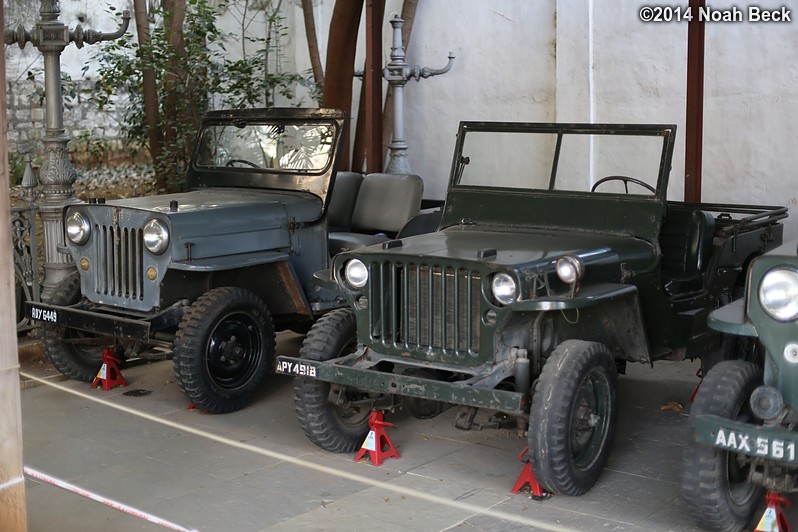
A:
{"x": 430, "y": 308}
{"x": 121, "y": 269}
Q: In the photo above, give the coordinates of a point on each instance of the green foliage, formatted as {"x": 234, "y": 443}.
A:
{"x": 16, "y": 168}
{"x": 189, "y": 83}
{"x": 90, "y": 150}
{"x": 70, "y": 89}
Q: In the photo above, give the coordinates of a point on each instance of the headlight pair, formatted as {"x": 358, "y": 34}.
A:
{"x": 569, "y": 268}
{"x": 155, "y": 233}
{"x": 503, "y": 285}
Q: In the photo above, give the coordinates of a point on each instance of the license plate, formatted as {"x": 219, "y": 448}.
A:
{"x": 301, "y": 369}
{"x": 43, "y": 314}
{"x": 782, "y": 449}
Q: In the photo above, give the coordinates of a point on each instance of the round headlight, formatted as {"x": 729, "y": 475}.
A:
{"x": 505, "y": 289}
{"x": 356, "y": 273}
{"x": 77, "y": 228}
{"x": 156, "y": 236}
{"x": 778, "y": 294}
{"x": 570, "y": 269}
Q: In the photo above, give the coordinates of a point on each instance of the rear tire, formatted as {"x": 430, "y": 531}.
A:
{"x": 76, "y": 354}
{"x": 333, "y": 427}
{"x": 223, "y": 350}
{"x": 715, "y": 483}
{"x": 573, "y": 416}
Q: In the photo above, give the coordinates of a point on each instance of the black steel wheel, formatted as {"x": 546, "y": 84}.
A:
{"x": 715, "y": 483}
{"x": 76, "y": 354}
{"x": 573, "y": 416}
{"x": 329, "y": 413}
{"x": 223, "y": 349}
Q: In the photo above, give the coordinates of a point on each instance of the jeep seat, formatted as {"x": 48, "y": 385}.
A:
{"x": 385, "y": 203}
{"x": 686, "y": 243}
{"x": 342, "y": 200}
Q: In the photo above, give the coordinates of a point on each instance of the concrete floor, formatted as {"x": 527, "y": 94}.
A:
{"x": 277, "y": 480}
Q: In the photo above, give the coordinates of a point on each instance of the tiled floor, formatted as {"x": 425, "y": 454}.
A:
{"x": 446, "y": 479}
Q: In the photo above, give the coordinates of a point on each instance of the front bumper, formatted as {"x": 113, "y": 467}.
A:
{"x": 99, "y": 322}
{"x": 771, "y": 443}
{"x": 341, "y": 371}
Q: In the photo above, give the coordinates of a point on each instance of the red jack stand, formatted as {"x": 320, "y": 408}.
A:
{"x": 109, "y": 373}
{"x": 774, "y": 519}
{"x": 700, "y": 375}
{"x": 377, "y": 440}
{"x": 528, "y": 477}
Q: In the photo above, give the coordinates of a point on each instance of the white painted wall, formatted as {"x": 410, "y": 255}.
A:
{"x": 595, "y": 60}
{"x": 579, "y": 61}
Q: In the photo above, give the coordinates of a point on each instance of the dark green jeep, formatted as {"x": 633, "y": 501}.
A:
{"x": 744, "y": 419}
{"x": 557, "y": 261}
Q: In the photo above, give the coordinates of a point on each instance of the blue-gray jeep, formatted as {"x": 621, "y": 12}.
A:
{"x": 211, "y": 273}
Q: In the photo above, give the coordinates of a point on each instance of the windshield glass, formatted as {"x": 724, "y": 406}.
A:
{"x": 551, "y": 159}
{"x": 282, "y": 147}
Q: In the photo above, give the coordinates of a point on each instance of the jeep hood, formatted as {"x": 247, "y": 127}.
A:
{"x": 525, "y": 250}
{"x": 220, "y": 221}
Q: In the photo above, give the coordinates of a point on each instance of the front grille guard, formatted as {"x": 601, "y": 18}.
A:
{"x": 429, "y": 308}
{"x": 121, "y": 272}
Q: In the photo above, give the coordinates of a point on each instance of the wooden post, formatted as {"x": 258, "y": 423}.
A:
{"x": 694, "y": 126}
{"x": 13, "y": 512}
{"x": 372, "y": 85}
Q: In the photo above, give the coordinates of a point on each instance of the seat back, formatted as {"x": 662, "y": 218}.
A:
{"x": 386, "y": 202}
{"x": 685, "y": 240}
{"x": 342, "y": 200}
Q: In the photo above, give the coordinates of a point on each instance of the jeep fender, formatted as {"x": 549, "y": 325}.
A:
{"x": 274, "y": 278}
{"x": 608, "y": 313}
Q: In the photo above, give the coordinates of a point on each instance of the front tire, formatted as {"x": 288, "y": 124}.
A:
{"x": 76, "y": 354}
{"x": 715, "y": 483}
{"x": 573, "y": 416}
{"x": 223, "y": 349}
{"x": 338, "y": 428}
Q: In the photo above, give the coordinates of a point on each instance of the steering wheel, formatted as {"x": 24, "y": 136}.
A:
{"x": 232, "y": 162}
{"x": 626, "y": 180}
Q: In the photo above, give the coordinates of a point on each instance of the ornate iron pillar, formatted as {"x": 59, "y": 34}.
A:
{"x": 397, "y": 74}
{"x": 57, "y": 175}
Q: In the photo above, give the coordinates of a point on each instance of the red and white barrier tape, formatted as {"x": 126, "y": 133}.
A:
{"x": 104, "y": 500}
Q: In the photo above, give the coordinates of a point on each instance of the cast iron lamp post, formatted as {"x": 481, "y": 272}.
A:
{"x": 397, "y": 74}
{"x": 57, "y": 175}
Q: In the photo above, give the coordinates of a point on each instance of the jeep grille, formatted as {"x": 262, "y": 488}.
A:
{"x": 431, "y": 308}
{"x": 121, "y": 269}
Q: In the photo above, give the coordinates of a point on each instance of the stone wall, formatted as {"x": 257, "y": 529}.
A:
{"x": 95, "y": 135}
{"x": 25, "y": 80}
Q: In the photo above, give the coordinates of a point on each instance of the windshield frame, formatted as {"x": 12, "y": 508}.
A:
{"x": 313, "y": 181}
{"x": 666, "y": 132}
{"x": 635, "y": 215}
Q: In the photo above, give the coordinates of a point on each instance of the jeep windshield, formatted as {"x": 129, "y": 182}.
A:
{"x": 592, "y": 177}
{"x": 286, "y": 149}
{"x": 276, "y": 147}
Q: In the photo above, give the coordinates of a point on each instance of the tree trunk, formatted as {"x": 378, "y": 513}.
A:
{"x": 340, "y": 64}
{"x": 313, "y": 43}
{"x": 149, "y": 87}
{"x": 173, "y": 26}
{"x": 366, "y": 151}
